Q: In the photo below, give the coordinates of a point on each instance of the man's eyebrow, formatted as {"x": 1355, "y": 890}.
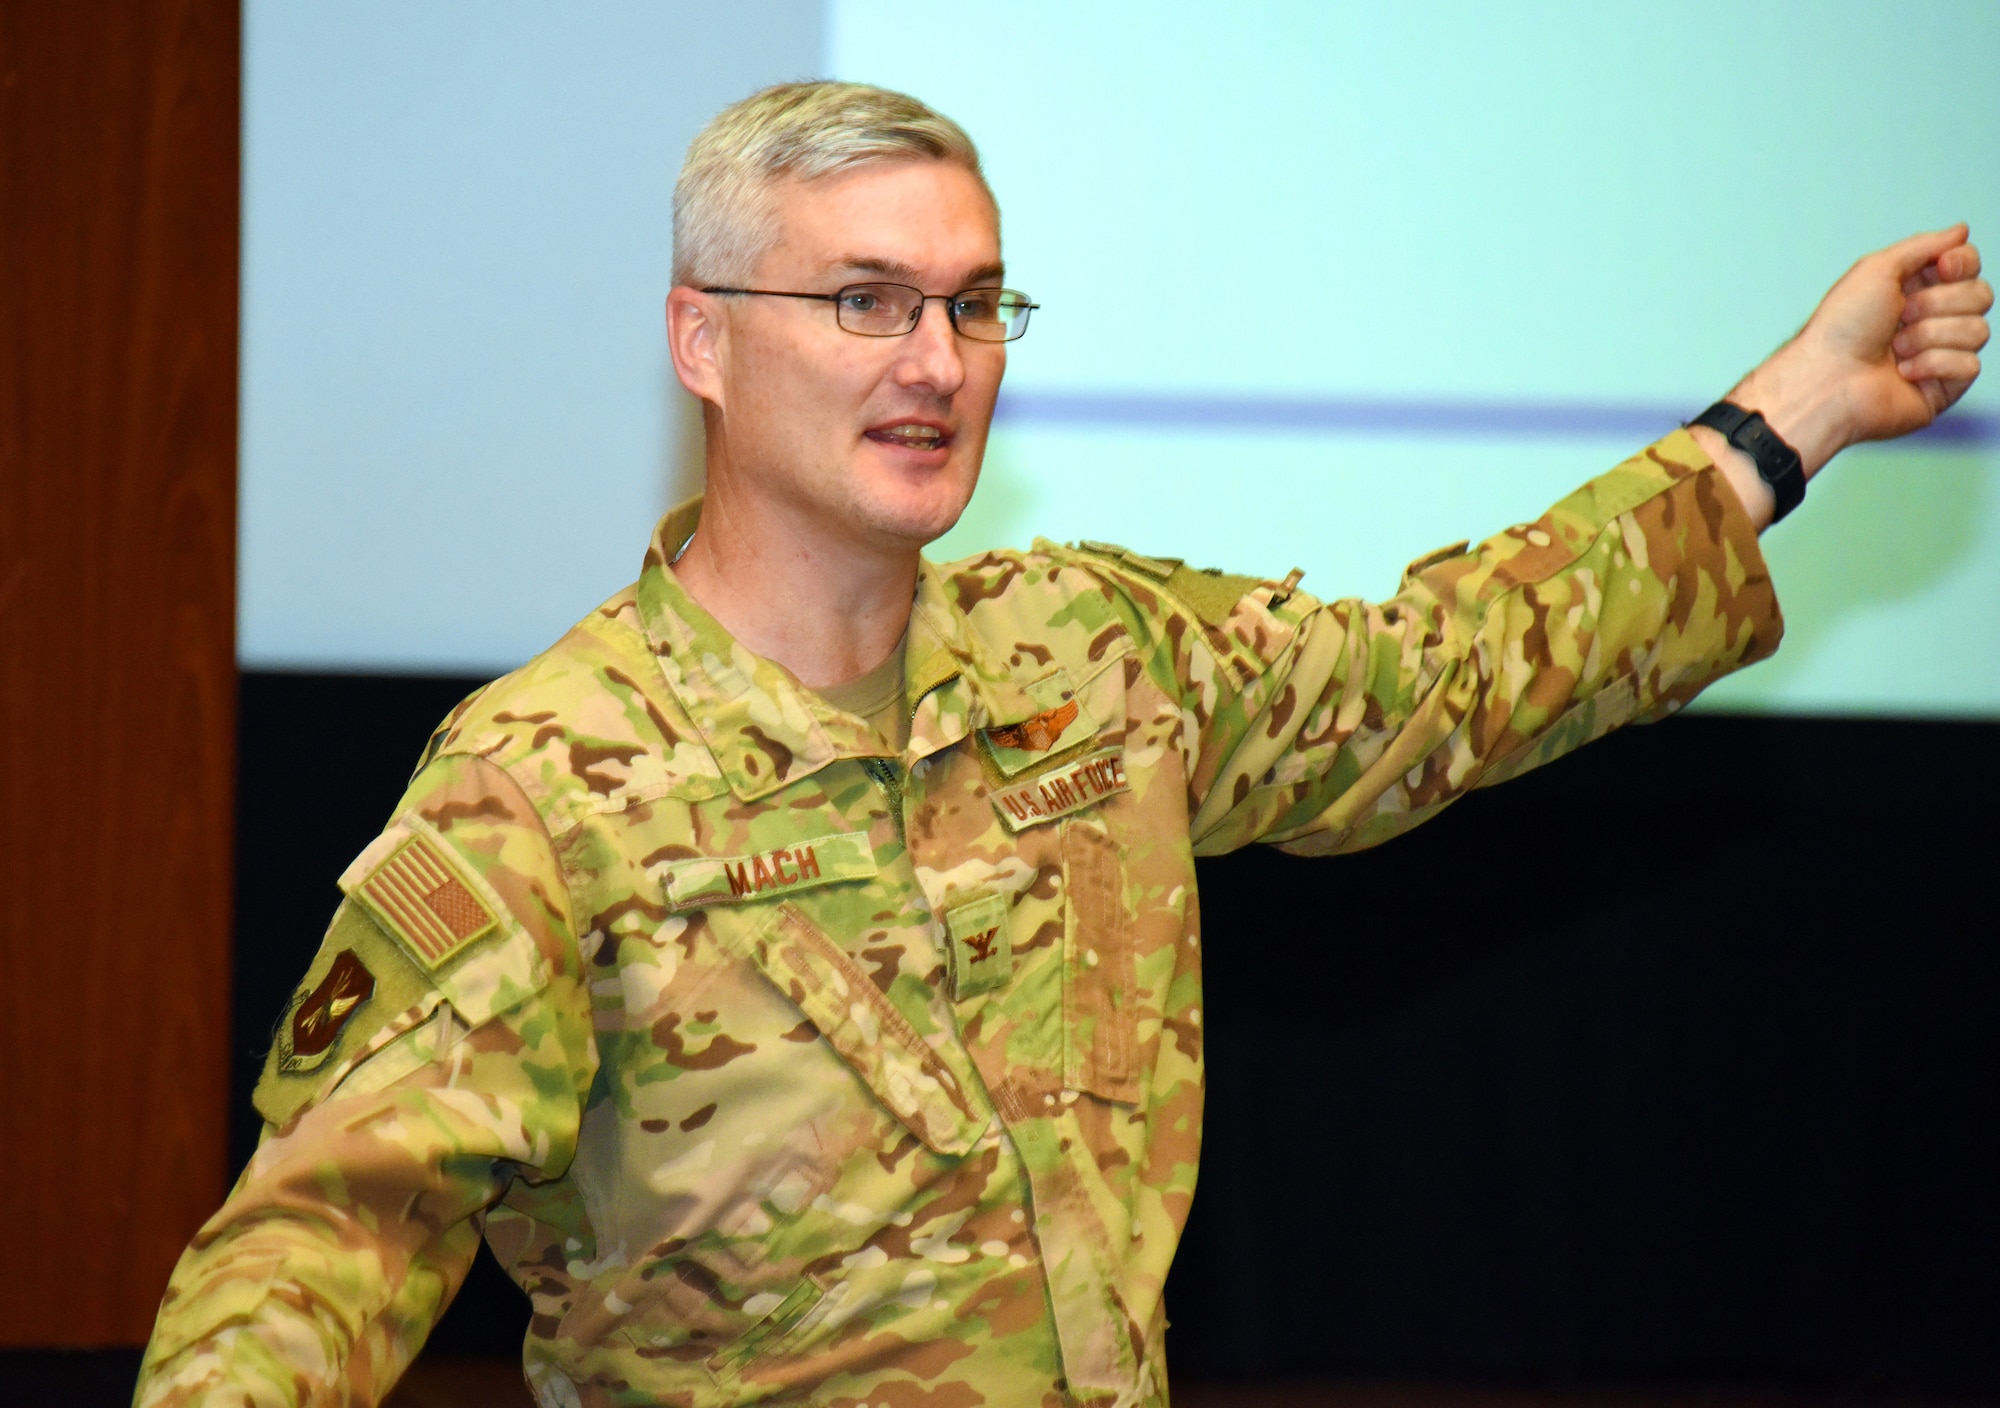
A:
{"x": 863, "y": 264}
{"x": 898, "y": 272}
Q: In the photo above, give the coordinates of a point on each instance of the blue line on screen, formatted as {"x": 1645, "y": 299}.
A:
{"x": 1338, "y": 416}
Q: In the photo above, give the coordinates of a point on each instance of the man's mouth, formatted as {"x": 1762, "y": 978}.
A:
{"x": 911, "y": 435}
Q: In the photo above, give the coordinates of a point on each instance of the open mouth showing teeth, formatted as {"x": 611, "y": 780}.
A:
{"x": 911, "y": 437}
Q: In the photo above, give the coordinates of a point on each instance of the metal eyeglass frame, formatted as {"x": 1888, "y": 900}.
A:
{"x": 950, "y": 301}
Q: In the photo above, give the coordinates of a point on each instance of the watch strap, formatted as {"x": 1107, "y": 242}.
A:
{"x": 1778, "y": 464}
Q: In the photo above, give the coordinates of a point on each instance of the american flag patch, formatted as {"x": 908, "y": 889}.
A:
{"x": 421, "y": 900}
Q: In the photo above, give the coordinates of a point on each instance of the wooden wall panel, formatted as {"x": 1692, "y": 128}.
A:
{"x": 118, "y": 278}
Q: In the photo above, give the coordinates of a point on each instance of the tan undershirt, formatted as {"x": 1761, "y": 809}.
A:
{"x": 877, "y": 697}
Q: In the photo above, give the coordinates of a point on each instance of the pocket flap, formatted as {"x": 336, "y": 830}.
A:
{"x": 860, "y": 1023}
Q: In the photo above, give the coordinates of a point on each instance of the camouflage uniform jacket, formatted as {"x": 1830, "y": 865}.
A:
{"x": 777, "y": 1069}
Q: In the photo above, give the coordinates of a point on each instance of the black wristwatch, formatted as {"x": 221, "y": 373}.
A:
{"x": 1778, "y": 464}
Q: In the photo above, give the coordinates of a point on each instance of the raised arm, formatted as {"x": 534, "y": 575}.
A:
{"x": 1333, "y": 726}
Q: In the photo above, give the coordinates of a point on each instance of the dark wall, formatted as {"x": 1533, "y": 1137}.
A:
{"x": 1672, "y": 1060}
{"x": 118, "y": 219}
{"x": 1675, "y": 1058}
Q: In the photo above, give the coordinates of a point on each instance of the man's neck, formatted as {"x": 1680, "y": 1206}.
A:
{"x": 827, "y": 610}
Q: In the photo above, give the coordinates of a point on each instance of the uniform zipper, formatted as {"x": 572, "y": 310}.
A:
{"x": 884, "y": 772}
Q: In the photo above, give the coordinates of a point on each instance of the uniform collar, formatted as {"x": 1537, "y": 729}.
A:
{"x": 763, "y": 727}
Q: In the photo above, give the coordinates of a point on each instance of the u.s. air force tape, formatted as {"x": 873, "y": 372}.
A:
{"x": 1062, "y": 790}
{"x": 821, "y": 860}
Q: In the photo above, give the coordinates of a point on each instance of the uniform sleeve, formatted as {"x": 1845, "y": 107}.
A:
{"x": 439, "y": 1046}
{"x": 1327, "y": 727}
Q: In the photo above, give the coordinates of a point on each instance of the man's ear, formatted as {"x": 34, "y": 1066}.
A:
{"x": 695, "y": 334}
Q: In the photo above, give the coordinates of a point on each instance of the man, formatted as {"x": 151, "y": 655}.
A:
{"x": 795, "y": 971}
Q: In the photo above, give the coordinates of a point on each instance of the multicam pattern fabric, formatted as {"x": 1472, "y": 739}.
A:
{"x": 794, "y": 1142}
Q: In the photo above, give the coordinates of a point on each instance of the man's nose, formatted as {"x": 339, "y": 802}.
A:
{"x": 931, "y": 355}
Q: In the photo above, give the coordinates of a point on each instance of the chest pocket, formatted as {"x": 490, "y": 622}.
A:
{"x": 1076, "y": 936}
{"x": 864, "y": 1027}
{"x": 1100, "y": 990}
{"x": 1100, "y": 998}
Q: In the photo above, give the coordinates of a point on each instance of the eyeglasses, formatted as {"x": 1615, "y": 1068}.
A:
{"x": 891, "y": 310}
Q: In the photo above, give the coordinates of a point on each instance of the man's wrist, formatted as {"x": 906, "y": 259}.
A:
{"x": 1801, "y": 403}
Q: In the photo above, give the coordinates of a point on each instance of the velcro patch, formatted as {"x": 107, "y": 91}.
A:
{"x": 1213, "y": 596}
{"x": 1158, "y": 568}
{"x": 1062, "y": 790}
{"x": 982, "y": 950}
{"x": 823, "y": 860}
{"x": 417, "y": 895}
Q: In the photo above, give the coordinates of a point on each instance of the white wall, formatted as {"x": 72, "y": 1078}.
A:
{"x": 458, "y": 419}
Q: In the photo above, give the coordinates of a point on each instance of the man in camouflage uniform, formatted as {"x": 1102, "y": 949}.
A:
{"x": 795, "y": 971}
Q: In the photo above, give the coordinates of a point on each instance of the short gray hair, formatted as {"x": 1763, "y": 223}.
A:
{"x": 723, "y": 217}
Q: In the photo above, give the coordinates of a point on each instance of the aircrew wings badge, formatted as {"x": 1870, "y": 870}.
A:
{"x": 1036, "y": 735}
{"x": 1057, "y": 729}
{"x": 418, "y": 895}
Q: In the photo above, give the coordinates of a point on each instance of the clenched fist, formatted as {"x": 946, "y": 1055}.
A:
{"x": 1891, "y": 346}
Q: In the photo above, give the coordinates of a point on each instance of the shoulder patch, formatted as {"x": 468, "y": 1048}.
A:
{"x": 418, "y": 895}
{"x": 309, "y": 1030}
{"x": 438, "y": 914}
{"x": 361, "y": 991}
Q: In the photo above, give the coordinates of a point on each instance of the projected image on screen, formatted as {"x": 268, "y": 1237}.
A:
{"x": 1323, "y": 285}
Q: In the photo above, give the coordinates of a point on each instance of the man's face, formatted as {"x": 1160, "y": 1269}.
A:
{"x": 823, "y": 422}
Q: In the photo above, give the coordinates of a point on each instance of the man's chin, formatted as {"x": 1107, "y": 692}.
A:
{"x": 914, "y": 518}
{"x": 916, "y": 529}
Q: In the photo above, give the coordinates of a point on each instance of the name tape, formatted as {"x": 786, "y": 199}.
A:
{"x": 824, "y": 860}
{"x": 1060, "y": 791}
